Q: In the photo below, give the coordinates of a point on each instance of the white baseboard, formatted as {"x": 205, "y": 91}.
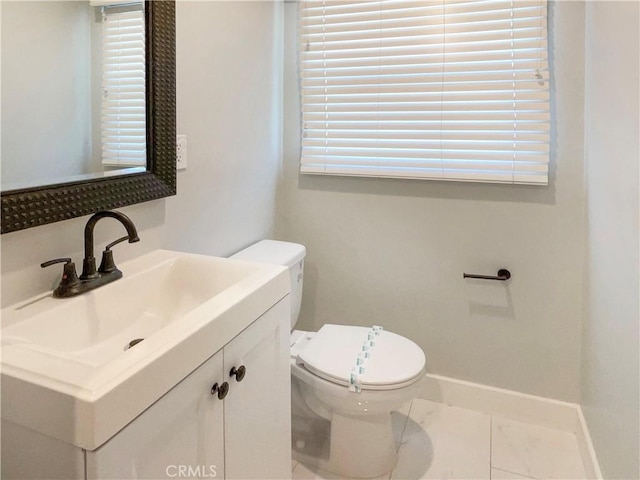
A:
{"x": 523, "y": 407}
{"x": 505, "y": 403}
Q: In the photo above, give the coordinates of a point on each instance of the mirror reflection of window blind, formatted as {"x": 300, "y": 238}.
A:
{"x": 428, "y": 89}
{"x": 123, "y": 86}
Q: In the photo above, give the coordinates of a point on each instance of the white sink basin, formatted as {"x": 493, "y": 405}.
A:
{"x": 94, "y": 328}
{"x": 72, "y": 356}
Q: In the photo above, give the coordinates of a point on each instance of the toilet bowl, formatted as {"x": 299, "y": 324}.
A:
{"x": 346, "y": 381}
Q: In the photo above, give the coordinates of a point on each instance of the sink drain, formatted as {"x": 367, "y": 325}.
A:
{"x": 133, "y": 343}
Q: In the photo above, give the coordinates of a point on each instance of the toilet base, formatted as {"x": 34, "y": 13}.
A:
{"x": 362, "y": 447}
{"x": 355, "y": 447}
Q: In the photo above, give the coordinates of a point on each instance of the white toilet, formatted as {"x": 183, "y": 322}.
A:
{"x": 346, "y": 381}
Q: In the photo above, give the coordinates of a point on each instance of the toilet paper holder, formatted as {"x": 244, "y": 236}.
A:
{"x": 503, "y": 275}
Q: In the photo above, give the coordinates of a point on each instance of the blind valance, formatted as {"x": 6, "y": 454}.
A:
{"x": 445, "y": 90}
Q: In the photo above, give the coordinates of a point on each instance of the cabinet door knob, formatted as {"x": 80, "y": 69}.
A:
{"x": 221, "y": 390}
{"x": 238, "y": 372}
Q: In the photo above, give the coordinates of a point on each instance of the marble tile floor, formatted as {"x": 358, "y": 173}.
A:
{"x": 437, "y": 441}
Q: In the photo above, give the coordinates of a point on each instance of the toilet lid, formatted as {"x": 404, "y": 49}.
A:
{"x": 394, "y": 361}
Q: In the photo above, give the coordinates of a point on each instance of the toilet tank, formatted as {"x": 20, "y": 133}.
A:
{"x": 290, "y": 255}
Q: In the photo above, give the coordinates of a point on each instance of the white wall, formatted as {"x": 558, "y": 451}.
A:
{"x": 229, "y": 105}
{"x": 392, "y": 252}
{"x": 46, "y": 88}
{"x": 610, "y": 371}
{"x": 230, "y": 108}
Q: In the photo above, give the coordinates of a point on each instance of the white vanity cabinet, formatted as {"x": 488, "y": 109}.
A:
{"x": 185, "y": 427}
{"x": 191, "y": 433}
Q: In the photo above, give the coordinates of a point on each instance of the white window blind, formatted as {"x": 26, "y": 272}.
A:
{"x": 123, "y": 86}
{"x": 445, "y": 90}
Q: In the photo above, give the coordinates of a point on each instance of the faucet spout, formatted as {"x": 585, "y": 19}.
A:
{"x": 89, "y": 262}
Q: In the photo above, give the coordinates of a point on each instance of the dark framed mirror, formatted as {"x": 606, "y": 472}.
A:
{"x": 40, "y": 205}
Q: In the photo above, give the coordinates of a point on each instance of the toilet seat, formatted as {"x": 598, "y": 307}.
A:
{"x": 393, "y": 362}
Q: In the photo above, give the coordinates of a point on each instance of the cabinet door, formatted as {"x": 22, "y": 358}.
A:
{"x": 179, "y": 436}
{"x": 258, "y": 408}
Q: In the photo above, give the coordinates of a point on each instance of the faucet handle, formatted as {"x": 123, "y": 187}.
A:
{"x": 54, "y": 261}
{"x": 115, "y": 242}
{"x": 107, "y": 265}
{"x": 69, "y": 279}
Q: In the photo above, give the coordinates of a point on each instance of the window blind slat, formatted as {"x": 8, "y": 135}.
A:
{"x": 424, "y": 135}
{"x": 476, "y": 82}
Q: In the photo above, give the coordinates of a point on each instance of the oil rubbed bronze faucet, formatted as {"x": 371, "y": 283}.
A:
{"x": 70, "y": 284}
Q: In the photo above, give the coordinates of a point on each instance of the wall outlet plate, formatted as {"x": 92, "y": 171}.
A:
{"x": 181, "y": 152}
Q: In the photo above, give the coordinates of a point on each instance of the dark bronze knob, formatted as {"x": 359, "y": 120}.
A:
{"x": 238, "y": 372}
{"x": 221, "y": 390}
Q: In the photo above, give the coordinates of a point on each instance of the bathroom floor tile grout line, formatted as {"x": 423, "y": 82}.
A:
{"x": 404, "y": 427}
{"x": 513, "y": 473}
{"x": 490, "y": 444}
